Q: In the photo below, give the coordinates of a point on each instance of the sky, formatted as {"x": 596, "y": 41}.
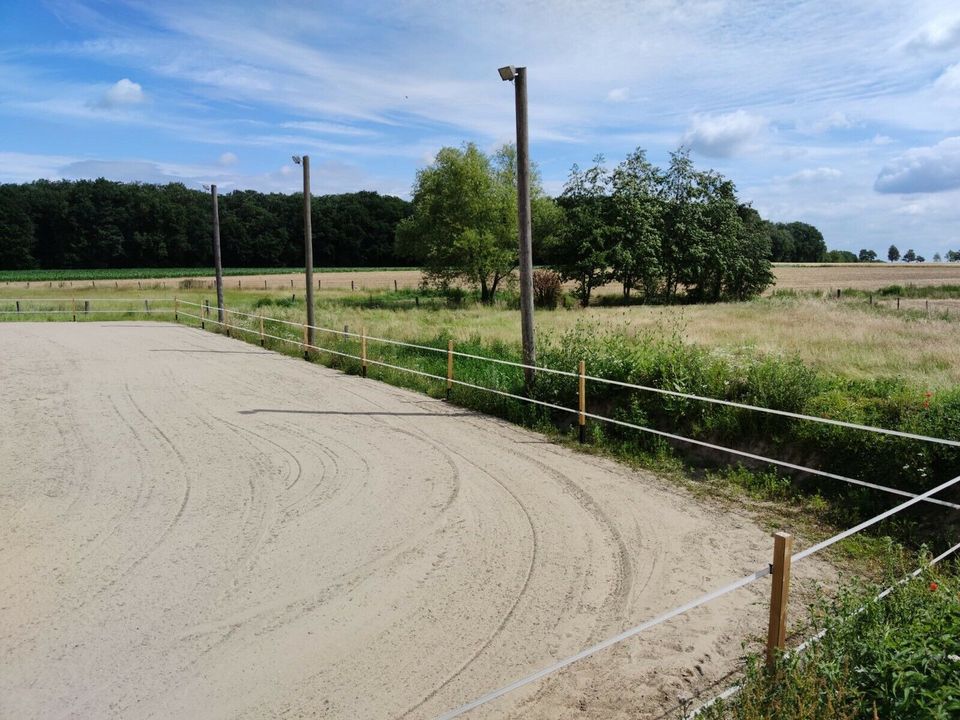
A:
{"x": 845, "y": 114}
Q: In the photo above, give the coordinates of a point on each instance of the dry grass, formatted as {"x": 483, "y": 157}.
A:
{"x": 849, "y": 339}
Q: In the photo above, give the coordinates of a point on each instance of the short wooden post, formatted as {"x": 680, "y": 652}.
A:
{"x": 139, "y": 285}
{"x": 146, "y": 306}
{"x": 306, "y": 346}
{"x": 74, "y": 309}
{"x": 203, "y": 313}
{"x": 363, "y": 352}
{"x": 239, "y": 284}
{"x": 86, "y": 307}
{"x": 395, "y": 285}
{"x": 291, "y": 282}
{"x": 318, "y": 284}
{"x": 18, "y": 307}
{"x": 417, "y": 299}
{"x": 263, "y": 340}
{"x": 871, "y": 298}
{"x": 779, "y": 595}
{"x": 176, "y": 309}
{"x": 838, "y": 293}
{"x": 582, "y": 415}
{"x": 351, "y": 285}
{"x": 226, "y": 321}
{"x": 264, "y": 284}
{"x": 449, "y": 366}
{"x": 928, "y": 307}
{"x": 898, "y": 303}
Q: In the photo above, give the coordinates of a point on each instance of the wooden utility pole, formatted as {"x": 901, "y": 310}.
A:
{"x": 217, "y": 265}
{"x": 308, "y": 246}
{"x": 523, "y": 211}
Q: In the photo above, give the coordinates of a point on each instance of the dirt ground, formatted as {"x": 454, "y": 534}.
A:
{"x": 193, "y": 527}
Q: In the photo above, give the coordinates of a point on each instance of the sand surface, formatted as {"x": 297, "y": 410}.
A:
{"x": 191, "y": 527}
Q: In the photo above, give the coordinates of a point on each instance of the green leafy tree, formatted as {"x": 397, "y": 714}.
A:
{"x": 840, "y": 256}
{"x": 581, "y": 252}
{"x": 909, "y": 256}
{"x": 893, "y": 254}
{"x": 464, "y": 222}
{"x": 867, "y": 256}
{"x": 635, "y": 254}
{"x": 937, "y": 258}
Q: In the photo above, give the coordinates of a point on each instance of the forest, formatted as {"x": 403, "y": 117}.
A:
{"x": 106, "y": 224}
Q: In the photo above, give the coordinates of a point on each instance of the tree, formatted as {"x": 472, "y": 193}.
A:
{"x": 840, "y": 256}
{"x": 867, "y": 256}
{"x": 464, "y": 222}
{"x": 953, "y": 255}
{"x": 893, "y": 254}
{"x": 937, "y": 258}
{"x": 634, "y": 256}
{"x": 582, "y": 249}
{"x": 909, "y": 255}
{"x": 921, "y": 258}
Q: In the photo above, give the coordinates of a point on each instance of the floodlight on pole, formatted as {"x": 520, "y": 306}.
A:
{"x": 519, "y": 76}
{"x": 296, "y": 159}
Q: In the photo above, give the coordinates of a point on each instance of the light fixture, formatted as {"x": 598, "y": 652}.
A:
{"x": 507, "y": 73}
{"x": 296, "y": 159}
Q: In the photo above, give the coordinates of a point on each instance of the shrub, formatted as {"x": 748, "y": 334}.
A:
{"x": 547, "y": 288}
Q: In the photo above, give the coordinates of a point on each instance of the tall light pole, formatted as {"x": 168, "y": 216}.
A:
{"x": 307, "y": 247}
{"x": 217, "y": 265}
{"x": 519, "y": 77}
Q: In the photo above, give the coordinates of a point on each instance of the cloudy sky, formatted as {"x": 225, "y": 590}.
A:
{"x": 842, "y": 114}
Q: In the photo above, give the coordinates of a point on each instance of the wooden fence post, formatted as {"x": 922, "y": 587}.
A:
{"x": 581, "y": 416}
{"x": 176, "y": 309}
{"x": 898, "y": 303}
{"x": 449, "y": 366}
{"x": 74, "y": 309}
{"x": 779, "y": 595}
{"x": 226, "y": 320}
{"x": 306, "y": 350}
{"x": 351, "y": 285}
{"x": 263, "y": 342}
{"x": 146, "y": 306}
{"x": 86, "y": 307}
{"x": 18, "y": 307}
{"x": 395, "y": 285}
{"x": 363, "y": 352}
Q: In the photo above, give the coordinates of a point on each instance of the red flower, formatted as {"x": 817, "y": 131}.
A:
{"x": 933, "y": 587}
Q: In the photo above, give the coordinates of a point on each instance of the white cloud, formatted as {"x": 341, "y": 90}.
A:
{"x": 835, "y": 120}
{"x": 814, "y": 175}
{"x": 228, "y": 159}
{"x": 620, "y": 94}
{"x": 879, "y": 139}
{"x": 923, "y": 170}
{"x": 122, "y": 93}
{"x": 949, "y": 80}
{"x": 941, "y": 34}
{"x": 724, "y": 135}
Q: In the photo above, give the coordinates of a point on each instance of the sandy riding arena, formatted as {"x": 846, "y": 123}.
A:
{"x": 192, "y": 527}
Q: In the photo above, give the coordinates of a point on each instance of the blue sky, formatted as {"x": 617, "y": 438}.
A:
{"x": 842, "y": 114}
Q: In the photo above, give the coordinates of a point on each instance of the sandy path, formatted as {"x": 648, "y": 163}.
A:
{"x": 192, "y": 527}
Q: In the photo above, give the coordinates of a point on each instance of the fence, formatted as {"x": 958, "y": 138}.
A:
{"x": 784, "y": 558}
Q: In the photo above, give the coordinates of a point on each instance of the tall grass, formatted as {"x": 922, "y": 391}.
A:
{"x": 897, "y": 657}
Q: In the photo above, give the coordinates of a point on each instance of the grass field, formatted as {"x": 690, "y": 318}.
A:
{"x": 849, "y": 339}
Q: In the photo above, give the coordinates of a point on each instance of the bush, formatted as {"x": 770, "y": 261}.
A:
{"x": 897, "y": 657}
{"x": 547, "y": 289}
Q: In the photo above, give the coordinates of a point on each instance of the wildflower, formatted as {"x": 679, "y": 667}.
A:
{"x": 933, "y": 586}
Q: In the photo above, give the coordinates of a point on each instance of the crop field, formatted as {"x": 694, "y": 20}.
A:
{"x": 813, "y": 277}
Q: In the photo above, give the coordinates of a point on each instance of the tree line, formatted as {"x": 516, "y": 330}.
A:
{"x": 106, "y": 224}
{"x": 661, "y": 233}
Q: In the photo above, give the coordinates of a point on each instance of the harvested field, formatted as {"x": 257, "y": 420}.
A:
{"x": 333, "y": 280}
{"x": 867, "y": 276}
{"x": 195, "y": 527}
